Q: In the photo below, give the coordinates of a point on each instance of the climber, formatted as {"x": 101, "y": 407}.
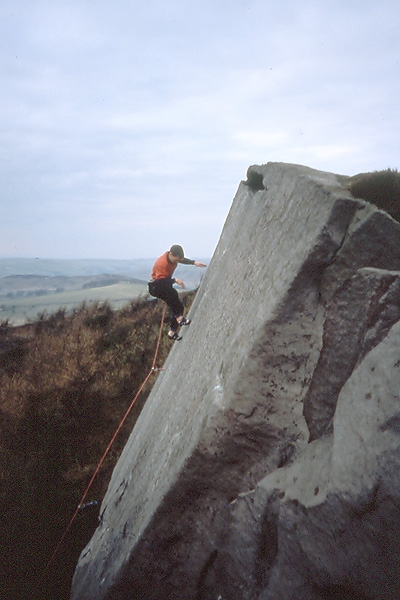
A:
{"x": 162, "y": 281}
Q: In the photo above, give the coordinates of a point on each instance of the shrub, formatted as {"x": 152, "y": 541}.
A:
{"x": 66, "y": 382}
{"x": 381, "y": 188}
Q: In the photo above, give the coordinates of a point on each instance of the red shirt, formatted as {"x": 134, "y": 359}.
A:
{"x": 163, "y": 268}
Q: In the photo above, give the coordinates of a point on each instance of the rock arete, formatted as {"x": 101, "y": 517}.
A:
{"x": 265, "y": 464}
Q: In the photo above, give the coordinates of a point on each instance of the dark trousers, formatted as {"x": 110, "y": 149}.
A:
{"x": 162, "y": 288}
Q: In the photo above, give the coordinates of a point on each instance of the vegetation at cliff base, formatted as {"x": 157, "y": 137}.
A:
{"x": 66, "y": 381}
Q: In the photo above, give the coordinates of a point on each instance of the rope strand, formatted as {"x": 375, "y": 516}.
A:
{"x": 152, "y": 370}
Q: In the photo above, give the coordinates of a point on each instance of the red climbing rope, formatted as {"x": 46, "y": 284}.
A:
{"x": 152, "y": 370}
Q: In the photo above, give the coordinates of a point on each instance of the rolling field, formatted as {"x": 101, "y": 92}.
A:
{"x": 20, "y": 310}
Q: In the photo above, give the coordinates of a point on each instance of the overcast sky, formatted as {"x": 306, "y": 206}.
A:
{"x": 126, "y": 125}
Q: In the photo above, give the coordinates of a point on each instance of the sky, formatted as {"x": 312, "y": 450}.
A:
{"x": 127, "y": 126}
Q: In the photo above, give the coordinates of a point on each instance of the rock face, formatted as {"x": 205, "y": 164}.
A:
{"x": 265, "y": 464}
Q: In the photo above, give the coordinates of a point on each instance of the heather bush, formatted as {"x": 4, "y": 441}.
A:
{"x": 66, "y": 381}
{"x": 381, "y": 188}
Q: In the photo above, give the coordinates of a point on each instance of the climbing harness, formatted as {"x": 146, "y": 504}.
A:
{"x": 82, "y": 503}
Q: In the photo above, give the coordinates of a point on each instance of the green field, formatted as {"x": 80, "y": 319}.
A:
{"x": 20, "y": 310}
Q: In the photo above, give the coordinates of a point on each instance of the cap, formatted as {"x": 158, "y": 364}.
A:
{"x": 177, "y": 250}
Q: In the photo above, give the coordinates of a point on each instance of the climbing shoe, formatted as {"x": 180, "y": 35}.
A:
{"x": 175, "y": 336}
{"x": 184, "y": 321}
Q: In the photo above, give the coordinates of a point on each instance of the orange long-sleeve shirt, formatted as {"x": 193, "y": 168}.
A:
{"x": 163, "y": 268}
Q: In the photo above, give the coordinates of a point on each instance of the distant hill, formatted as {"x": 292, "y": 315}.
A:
{"x": 29, "y": 287}
{"x": 138, "y": 268}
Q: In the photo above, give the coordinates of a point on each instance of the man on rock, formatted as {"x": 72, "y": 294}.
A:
{"x": 162, "y": 281}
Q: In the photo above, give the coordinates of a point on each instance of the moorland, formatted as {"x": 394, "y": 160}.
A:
{"x": 66, "y": 381}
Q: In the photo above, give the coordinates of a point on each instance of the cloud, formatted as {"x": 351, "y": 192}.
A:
{"x": 127, "y": 123}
